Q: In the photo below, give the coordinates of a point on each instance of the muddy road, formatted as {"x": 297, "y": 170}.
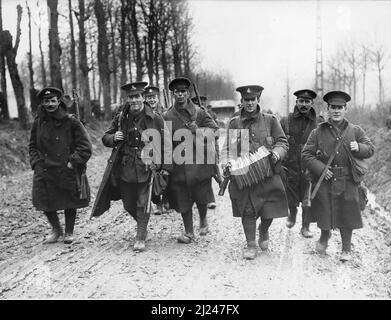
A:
{"x": 101, "y": 264}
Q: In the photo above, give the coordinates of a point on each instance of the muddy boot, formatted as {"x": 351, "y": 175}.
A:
{"x": 250, "y": 252}
{"x": 70, "y": 217}
{"x": 142, "y": 225}
{"x": 204, "y": 228}
{"x": 305, "y": 231}
{"x": 291, "y": 220}
{"x": 322, "y": 243}
{"x": 188, "y": 236}
{"x": 212, "y": 205}
{"x": 56, "y": 228}
{"x": 346, "y": 237}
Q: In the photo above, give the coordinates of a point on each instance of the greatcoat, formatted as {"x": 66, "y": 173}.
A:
{"x": 268, "y": 198}
{"x": 109, "y": 187}
{"x": 336, "y": 204}
{"x": 53, "y": 143}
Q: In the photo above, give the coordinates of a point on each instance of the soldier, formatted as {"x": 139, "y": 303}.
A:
{"x": 151, "y": 95}
{"x": 59, "y": 147}
{"x": 190, "y": 182}
{"x": 127, "y": 174}
{"x": 266, "y": 199}
{"x": 336, "y": 204}
{"x": 211, "y": 197}
{"x": 297, "y": 127}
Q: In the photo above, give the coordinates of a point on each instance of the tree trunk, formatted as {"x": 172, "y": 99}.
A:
{"x": 13, "y": 71}
{"x": 113, "y": 55}
{"x": 54, "y": 45}
{"x": 85, "y": 98}
{"x": 134, "y": 26}
{"x": 156, "y": 59}
{"x": 4, "y": 112}
{"x": 73, "y": 48}
{"x": 92, "y": 58}
{"x": 123, "y": 42}
{"x": 103, "y": 54}
{"x": 34, "y": 101}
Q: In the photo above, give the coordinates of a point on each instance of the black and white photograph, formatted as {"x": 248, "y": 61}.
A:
{"x": 195, "y": 153}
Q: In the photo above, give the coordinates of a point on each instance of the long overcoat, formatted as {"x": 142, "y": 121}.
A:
{"x": 197, "y": 124}
{"x": 336, "y": 204}
{"x": 109, "y": 187}
{"x": 268, "y": 198}
{"x": 53, "y": 143}
{"x": 297, "y": 128}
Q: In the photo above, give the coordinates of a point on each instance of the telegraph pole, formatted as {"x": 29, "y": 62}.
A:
{"x": 319, "y": 84}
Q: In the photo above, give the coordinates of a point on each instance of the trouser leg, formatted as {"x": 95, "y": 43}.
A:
{"x": 305, "y": 223}
{"x": 187, "y": 218}
{"x": 142, "y": 224}
{"x": 322, "y": 243}
{"x": 291, "y": 220}
{"x": 249, "y": 222}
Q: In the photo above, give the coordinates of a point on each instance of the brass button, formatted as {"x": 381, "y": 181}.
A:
{"x": 57, "y": 138}
{"x": 46, "y": 154}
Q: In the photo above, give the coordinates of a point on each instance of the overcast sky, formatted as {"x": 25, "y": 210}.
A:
{"x": 261, "y": 42}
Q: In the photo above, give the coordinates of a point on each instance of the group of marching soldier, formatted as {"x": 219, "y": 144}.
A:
{"x": 313, "y": 160}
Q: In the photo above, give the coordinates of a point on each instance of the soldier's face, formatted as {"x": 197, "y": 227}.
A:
{"x": 51, "y": 104}
{"x": 336, "y": 113}
{"x": 304, "y": 104}
{"x": 152, "y": 100}
{"x": 250, "y": 105}
{"x": 136, "y": 102}
{"x": 181, "y": 95}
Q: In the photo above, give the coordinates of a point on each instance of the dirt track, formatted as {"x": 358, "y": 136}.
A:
{"x": 102, "y": 265}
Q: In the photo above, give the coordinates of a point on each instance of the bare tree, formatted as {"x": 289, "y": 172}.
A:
{"x": 164, "y": 24}
{"x": 364, "y": 61}
{"x": 83, "y": 64}
{"x": 134, "y": 24}
{"x": 4, "y": 113}
{"x": 379, "y": 59}
{"x": 122, "y": 32}
{"x": 351, "y": 56}
{"x": 103, "y": 57}
{"x": 54, "y": 45}
{"x": 43, "y": 68}
{"x": 73, "y": 47}
{"x": 10, "y": 53}
{"x": 114, "y": 65}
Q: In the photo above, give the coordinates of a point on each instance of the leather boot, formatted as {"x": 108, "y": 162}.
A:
{"x": 291, "y": 220}
{"x": 250, "y": 252}
{"x": 305, "y": 226}
{"x": 322, "y": 243}
{"x": 70, "y": 217}
{"x": 56, "y": 227}
{"x": 188, "y": 236}
{"x": 142, "y": 225}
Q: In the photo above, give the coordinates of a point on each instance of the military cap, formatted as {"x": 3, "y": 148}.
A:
{"x": 338, "y": 98}
{"x": 151, "y": 90}
{"x": 202, "y": 98}
{"x": 305, "y": 93}
{"x": 249, "y": 92}
{"x": 49, "y": 92}
{"x": 134, "y": 87}
{"x": 180, "y": 83}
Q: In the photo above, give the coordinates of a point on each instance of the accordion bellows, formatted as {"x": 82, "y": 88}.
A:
{"x": 251, "y": 168}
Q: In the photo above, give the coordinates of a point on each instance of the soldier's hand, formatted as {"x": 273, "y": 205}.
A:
{"x": 153, "y": 166}
{"x": 354, "y": 146}
{"x": 164, "y": 172}
{"x": 119, "y": 136}
{"x": 328, "y": 175}
{"x": 275, "y": 157}
{"x": 226, "y": 167}
{"x": 69, "y": 165}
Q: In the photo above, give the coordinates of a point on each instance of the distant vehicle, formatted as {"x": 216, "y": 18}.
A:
{"x": 224, "y": 109}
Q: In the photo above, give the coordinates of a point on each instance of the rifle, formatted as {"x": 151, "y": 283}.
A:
{"x": 224, "y": 183}
{"x": 314, "y": 192}
{"x": 147, "y": 208}
{"x": 217, "y": 175}
{"x": 166, "y": 103}
{"x": 81, "y": 177}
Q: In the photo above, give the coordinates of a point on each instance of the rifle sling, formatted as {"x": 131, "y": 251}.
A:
{"x": 313, "y": 194}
